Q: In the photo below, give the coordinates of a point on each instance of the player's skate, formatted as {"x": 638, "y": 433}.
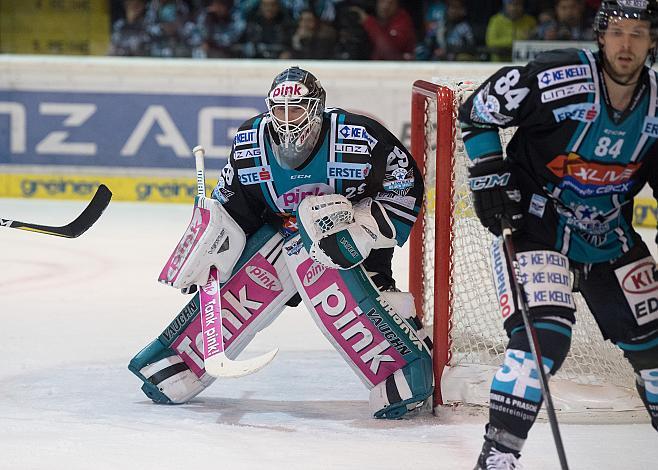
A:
{"x": 493, "y": 459}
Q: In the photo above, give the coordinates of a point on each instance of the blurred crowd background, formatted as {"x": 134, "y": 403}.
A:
{"x": 427, "y": 30}
{"x": 478, "y": 30}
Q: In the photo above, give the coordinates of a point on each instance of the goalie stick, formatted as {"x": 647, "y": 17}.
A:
{"x": 74, "y": 229}
{"x": 215, "y": 360}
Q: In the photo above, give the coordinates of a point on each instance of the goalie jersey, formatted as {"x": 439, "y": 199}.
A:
{"x": 578, "y": 161}
{"x": 354, "y": 156}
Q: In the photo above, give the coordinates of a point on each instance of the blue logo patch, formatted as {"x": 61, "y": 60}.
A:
{"x": 585, "y": 112}
{"x": 261, "y": 174}
{"x": 563, "y": 74}
{"x": 518, "y": 376}
{"x": 245, "y": 137}
{"x": 650, "y": 126}
{"x": 356, "y": 133}
{"x": 348, "y": 171}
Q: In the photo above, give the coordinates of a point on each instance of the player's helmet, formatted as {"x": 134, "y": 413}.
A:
{"x": 646, "y": 10}
{"x": 295, "y": 103}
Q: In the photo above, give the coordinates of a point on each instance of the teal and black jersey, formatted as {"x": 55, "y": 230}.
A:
{"x": 578, "y": 161}
{"x": 354, "y": 156}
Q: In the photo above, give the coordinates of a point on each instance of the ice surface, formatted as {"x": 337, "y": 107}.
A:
{"x": 74, "y": 312}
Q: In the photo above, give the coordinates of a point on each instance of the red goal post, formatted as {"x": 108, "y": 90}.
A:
{"x": 421, "y": 124}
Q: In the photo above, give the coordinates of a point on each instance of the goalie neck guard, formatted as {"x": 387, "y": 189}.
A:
{"x": 295, "y": 103}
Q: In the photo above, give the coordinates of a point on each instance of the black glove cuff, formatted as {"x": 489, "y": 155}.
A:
{"x": 488, "y": 167}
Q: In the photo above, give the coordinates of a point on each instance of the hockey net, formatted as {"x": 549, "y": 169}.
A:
{"x": 454, "y": 290}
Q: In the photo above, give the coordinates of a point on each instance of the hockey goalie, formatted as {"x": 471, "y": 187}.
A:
{"x": 308, "y": 209}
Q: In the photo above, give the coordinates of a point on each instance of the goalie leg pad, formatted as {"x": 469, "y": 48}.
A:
{"x": 373, "y": 338}
{"x": 404, "y": 391}
{"x": 403, "y": 303}
{"x": 172, "y": 368}
{"x": 167, "y": 379}
{"x": 409, "y": 387}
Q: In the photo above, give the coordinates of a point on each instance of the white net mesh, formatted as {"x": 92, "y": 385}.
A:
{"x": 476, "y": 336}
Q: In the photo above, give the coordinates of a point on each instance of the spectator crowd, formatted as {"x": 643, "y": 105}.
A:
{"x": 344, "y": 29}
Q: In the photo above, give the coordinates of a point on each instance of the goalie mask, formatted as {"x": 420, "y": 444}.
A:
{"x": 295, "y": 103}
{"x": 643, "y": 10}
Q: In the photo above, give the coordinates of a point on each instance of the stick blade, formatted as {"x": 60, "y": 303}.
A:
{"x": 74, "y": 229}
{"x": 221, "y": 366}
{"x": 92, "y": 212}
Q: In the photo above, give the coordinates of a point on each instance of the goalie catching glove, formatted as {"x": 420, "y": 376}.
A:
{"x": 340, "y": 235}
{"x": 495, "y": 194}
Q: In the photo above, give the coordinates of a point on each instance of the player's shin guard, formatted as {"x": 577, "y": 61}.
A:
{"x": 647, "y": 387}
{"x": 643, "y": 357}
{"x": 515, "y": 397}
{"x": 172, "y": 367}
{"x": 378, "y": 343}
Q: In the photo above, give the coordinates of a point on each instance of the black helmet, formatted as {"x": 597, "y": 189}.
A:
{"x": 646, "y": 10}
{"x": 295, "y": 88}
{"x": 632, "y": 9}
{"x": 296, "y": 105}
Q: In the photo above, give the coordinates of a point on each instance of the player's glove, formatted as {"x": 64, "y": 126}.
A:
{"x": 495, "y": 194}
{"x": 340, "y": 235}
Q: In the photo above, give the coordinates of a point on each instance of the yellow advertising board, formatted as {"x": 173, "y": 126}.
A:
{"x": 68, "y": 27}
{"x": 124, "y": 188}
{"x": 645, "y": 212}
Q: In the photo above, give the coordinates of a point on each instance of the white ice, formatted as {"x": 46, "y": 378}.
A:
{"x": 73, "y": 313}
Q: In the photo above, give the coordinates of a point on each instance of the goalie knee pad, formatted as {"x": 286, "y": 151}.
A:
{"x": 172, "y": 367}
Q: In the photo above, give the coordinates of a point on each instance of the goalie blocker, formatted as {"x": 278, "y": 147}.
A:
{"x": 375, "y": 332}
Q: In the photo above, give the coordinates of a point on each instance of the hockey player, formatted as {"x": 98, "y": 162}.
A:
{"x": 585, "y": 145}
{"x": 322, "y": 197}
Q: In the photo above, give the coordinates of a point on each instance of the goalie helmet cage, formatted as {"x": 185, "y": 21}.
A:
{"x": 450, "y": 279}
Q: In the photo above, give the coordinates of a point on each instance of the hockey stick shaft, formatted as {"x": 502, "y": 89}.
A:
{"x": 199, "y": 155}
{"x": 216, "y": 362}
{"x": 80, "y": 225}
{"x": 534, "y": 342}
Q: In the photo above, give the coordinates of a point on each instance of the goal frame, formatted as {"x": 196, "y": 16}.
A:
{"x": 444, "y": 204}
{"x": 446, "y": 268}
